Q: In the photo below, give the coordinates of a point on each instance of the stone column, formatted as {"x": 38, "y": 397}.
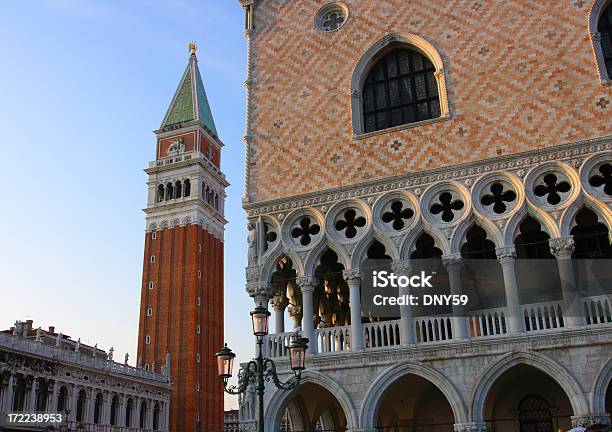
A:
{"x": 31, "y": 387}
{"x": 353, "y": 279}
{"x": 7, "y": 395}
{"x": 166, "y": 416}
{"x": 120, "y": 417}
{"x": 52, "y": 407}
{"x": 562, "y": 248}
{"x": 307, "y": 284}
{"x": 402, "y": 268}
{"x": 90, "y": 406}
{"x": 514, "y": 316}
{"x": 279, "y": 302}
{"x": 453, "y": 263}
{"x": 72, "y": 402}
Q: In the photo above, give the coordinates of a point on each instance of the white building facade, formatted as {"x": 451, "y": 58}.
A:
{"x": 52, "y": 374}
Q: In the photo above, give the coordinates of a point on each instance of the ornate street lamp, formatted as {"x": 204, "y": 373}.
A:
{"x": 261, "y": 369}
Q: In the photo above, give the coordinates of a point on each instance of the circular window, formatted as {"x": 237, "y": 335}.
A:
{"x": 331, "y": 17}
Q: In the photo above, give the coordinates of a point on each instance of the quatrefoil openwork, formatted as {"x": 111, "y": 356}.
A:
{"x": 603, "y": 177}
{"x": 446, "y": 206}
{"x": 499, "y": 198}
{"x": 552, "y": 188}
{"x": 397, "y": 215}
{"x": 350, "y": 223}
{"x": 305, "y": 231}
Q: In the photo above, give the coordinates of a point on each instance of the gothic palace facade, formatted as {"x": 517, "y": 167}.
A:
{"x": 430, "y": 129}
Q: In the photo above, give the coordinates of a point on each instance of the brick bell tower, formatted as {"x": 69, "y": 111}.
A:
{"x": 181, "y": 308}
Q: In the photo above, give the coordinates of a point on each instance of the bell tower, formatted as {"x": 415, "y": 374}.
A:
{"x": 181, "y": 307}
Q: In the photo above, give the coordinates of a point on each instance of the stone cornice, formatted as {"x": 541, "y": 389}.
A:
{"x": 418, "y": 181}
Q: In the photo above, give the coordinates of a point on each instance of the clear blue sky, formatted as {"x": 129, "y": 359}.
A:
{"x": 82, "y": 86}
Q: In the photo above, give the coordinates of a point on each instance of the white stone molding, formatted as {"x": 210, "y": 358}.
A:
{"x": 379, "y": 50}
{"x": 512, "y": 229}
{"x": 431, "y": 197}
{"x": 359, "y": 254}
{"x": 276, "y": 404}
{"x": 383, "y": 205}
{"x": 597, "y": 10}
{"x": 568, "y": 218}
{"x": 541, "y": 362}
{"x": 373, "y": 398}
{"x": 337, "y": 213}
{"x": 509, "y": 182}
{"x": 409, "y": 244}
{"x": 564, "y": 173}
{"x": 458, "y": 237}
{"x": 312, "y": 260}
{"x": 591, "y": 167}
{"x": 292, "y": 222}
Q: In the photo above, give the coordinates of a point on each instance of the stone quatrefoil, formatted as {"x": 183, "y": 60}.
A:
{"x": 446, "y": 207}
{"x": 305, "y": 230}
{"x": 551, "y": 189}
{"x": 350, "y": 223}
{"x": 397, "y": 215}
{"x": 604, "y": 178}
{"x": 498, "y": 198}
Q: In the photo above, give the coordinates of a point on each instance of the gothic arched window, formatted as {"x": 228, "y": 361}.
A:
{"x": 177, "y": 189}
{"x": 186, "y": 188}
{"x": 401, "y": 88}
{"x": 604, "y": 27}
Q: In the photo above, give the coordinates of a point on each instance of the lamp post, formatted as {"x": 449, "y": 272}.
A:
{"x": 261, "y": 369}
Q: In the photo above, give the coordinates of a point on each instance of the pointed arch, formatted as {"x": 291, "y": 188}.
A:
{"x": 371, "y": 401}
{"x": 312, "y": 260}
{"x": 568, "y": 218}
{"x": 458, "y": 236}
{"x": 279, "y": 398}
{"x": 272, "y": 258}
{"x": 410, "y": 240}
{"x": 512, "y": 229}
{"x": 360, "y": 253}
{"x": 376, "y": 52}
{"x": 600, "y": 387}
{"x": 539, "y": 361}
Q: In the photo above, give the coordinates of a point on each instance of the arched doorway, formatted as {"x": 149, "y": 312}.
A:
{"x": 312, "y": 408}
{"x": 422, "y": 409}
{"x": 526, "y": 399}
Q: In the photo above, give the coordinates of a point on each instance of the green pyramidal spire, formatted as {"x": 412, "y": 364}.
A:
{"x": 190, "y": 102}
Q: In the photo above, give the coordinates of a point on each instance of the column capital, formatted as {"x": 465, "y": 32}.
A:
{"x": 590, "y": 419}
{"x": 470, "y": 427}
{"x": 506, "y": 254}
{"x": 259, "y": 289}
{"x": 401, "y": 268}
{"x": 562, "y": 247}
{"x": 306, "y": 283}
{"x": 279, "y": 301}
{"x": 351, "y": 276}
{"x": 452, "y": 260}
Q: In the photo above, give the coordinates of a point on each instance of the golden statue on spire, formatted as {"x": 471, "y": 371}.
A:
{"x": 192, "y": 47}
